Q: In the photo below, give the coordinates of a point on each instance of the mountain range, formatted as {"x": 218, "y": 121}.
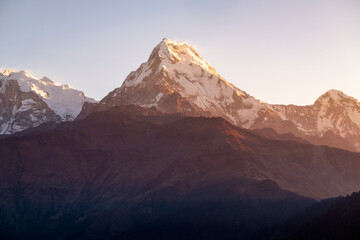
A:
{"x": 176, "y": 152}
{"x": 177, "y": 79}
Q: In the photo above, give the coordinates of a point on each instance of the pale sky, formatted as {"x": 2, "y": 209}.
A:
{"x": 279, "y": 51}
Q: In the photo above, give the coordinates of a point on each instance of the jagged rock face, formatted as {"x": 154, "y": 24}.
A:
{"x": 29, "y": 102}
{"x": 176, "y": 79}
{"x": 21, "y": 110}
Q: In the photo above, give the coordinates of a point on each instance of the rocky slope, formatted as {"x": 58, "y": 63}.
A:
{"x": 177, "y": 79}
{"x": 118, "y": 133}
{"x": 28, "y": 102}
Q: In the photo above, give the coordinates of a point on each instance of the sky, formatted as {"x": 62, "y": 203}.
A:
{"x": 279, "y": 51}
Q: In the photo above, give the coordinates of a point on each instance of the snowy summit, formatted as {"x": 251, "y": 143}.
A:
{"x": 28, "y": 101}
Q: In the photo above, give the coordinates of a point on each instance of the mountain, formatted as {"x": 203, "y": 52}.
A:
{"x": 131, "y": 170}
{"x": 28, "y": 102}
{"x": 333, "y": 120}
{"x": 177, "y": 79}
{"x": 128, "y": 167}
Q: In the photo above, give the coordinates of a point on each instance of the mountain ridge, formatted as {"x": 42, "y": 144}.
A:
{"x": 177, "y": 79}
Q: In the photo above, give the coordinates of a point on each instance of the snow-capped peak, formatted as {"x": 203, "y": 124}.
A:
{"x": 176, "y": 52}
{"x": 176, "y": 70}
{"x": 336, "y": 97}
{"x": 335, "y": 93}
{"x": 63, "y": 100}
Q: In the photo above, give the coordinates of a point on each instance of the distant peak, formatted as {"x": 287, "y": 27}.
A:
{"x": 333, "y": 93}
{"x": 17, "y": 74}
{"x": 336, "y": 95}
{"x": 7, "y": 72}
{"x": 25, "y": 77}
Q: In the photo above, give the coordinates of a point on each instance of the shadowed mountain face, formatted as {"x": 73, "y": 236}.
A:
{"x": 176, "y": 79}
{"x": 130, "y": 168}
{"x": 332, "y": 219}
{"x": 341, "y": 220}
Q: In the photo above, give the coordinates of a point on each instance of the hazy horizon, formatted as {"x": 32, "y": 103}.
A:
{"x": 279, "y": 52}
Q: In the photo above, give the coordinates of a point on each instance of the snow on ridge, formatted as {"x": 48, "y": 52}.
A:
{"x": 63, "y": 100}
{"x": 26, "y": 105}
{"x": 176, "y": 51}
{"x": 338, "y": 97}
{"x": 7, "y": 72}
{"x": 144, "y": 72}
